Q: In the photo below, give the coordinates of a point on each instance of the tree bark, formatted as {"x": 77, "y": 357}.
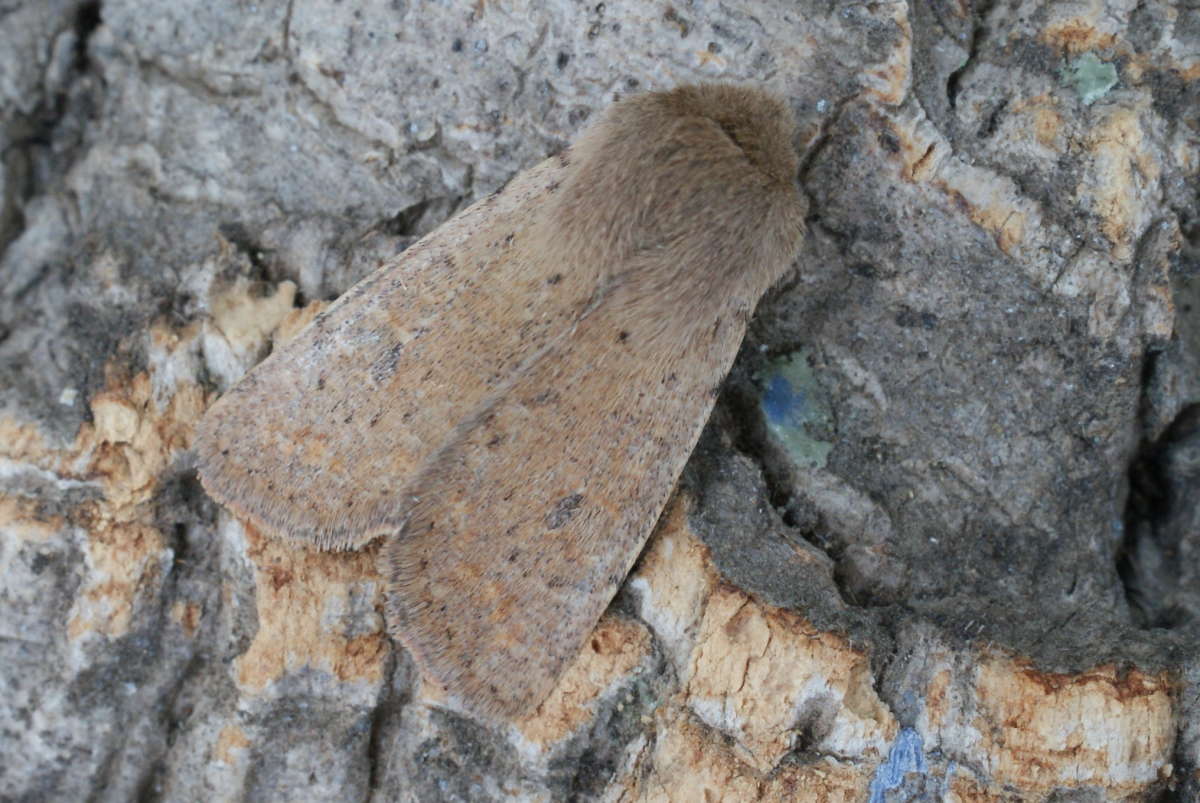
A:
{"x": 938, "y": 541}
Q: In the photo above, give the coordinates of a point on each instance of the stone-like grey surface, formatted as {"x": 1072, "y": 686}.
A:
{"x": 999, "y": 297}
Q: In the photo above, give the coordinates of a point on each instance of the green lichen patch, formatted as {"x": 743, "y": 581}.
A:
{"x": 1091, "y": 77}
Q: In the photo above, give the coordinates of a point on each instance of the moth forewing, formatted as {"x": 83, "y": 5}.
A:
{"x": 317, "y": 443}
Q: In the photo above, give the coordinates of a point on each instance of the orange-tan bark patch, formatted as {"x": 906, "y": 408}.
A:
{"x": 186, "y": 615}
{"x": 302, "y": 597}
{"x": 131, "y": 440}
{"x": 758, "y": 672}
{"x": 1046, "y": 123}
{"x": 230, "y": 739}
{"x": 20, "y": 519}
{"x": 1038, "y": 729}
{"x": 689, "y": 762}
{"x": 889, "y": 81}
{"x": 123, "y": 564}
{"x": 1122, "y": 169}
{"x": 616, "y": 648}
{"x": 23, "y": 442}
{"x": 247, "y": 313}
{"x": 674, "y": 578}
{"x": 1076, "y": 35}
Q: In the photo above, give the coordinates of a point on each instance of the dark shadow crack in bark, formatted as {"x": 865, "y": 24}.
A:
{"x": 978, "y": 36}
{"x": 1159, "y": 525}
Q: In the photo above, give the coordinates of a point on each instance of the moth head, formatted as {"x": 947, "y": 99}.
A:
{"x": 759, "y": 124}
{"x": 690, "y": 193}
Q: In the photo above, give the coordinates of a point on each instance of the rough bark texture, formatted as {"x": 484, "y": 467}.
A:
{"x": 941, "y": 539}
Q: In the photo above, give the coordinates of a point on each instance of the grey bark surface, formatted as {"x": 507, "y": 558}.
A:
{"x": 999, "y": 302}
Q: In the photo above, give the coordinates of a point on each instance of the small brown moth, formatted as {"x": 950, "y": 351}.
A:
{"x": 511, "y": 400}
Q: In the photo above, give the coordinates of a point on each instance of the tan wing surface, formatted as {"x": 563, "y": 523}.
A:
{"x": 524, "y": 532}
{"x": 318, "y": 442}
{"x": 527, "y": 520}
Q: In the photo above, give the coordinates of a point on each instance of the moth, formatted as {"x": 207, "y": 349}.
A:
{"x": 511, "y": 400}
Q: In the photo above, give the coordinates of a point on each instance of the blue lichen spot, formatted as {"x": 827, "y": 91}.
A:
{"x": 1091, "y": 76}
{"x": 907, "y": 755}
{"x": 796, "y": 410}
